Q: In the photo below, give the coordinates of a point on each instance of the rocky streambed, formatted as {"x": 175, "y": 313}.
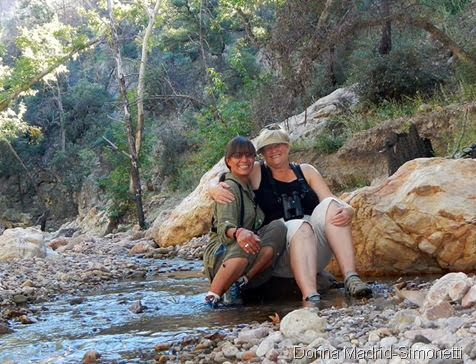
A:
{"x": 120, "y": 299}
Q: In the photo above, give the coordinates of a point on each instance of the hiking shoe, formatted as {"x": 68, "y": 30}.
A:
{"x": 212, "y": 301}
{"x": 233, "y": 295}
{"x": 356, "y": 288}
{"x": 313, "y": 300}
{"x": 313, "y": 297}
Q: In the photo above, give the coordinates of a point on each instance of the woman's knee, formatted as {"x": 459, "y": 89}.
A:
{"x": 268, "y": 252}
{"x": 305, "y": 230}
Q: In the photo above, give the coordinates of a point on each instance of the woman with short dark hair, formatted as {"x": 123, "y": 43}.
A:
{"x": 240, "y": 246}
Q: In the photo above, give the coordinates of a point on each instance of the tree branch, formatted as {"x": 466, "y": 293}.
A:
{"x": 116, "y": 148}
{"x": 25, "y": 87}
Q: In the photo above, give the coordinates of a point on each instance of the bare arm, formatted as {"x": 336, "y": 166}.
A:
{"x": 220, "y": 192}
{"x": 345, "y": 212}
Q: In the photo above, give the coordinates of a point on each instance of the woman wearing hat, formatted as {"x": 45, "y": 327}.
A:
{"x": 318, "y": 223}
{"x": 241, "y": 246}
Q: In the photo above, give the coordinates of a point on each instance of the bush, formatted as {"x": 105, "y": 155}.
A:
{"x": 402, "y": 73}
{"x": 329, "y": 143}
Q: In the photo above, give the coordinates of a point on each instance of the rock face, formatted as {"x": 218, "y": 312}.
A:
{"x": 22, "y": 243}
{"x": 420, "y": 220}
{"x": 91, "y": 219}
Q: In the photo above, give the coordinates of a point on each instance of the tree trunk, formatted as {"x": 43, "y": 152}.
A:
{"x": 59, "y": 102}
{"x": 141, "y": 82}
{"x": 134, "y": 171}
{"x": 403, "y": 147}
{"x": 330, "y": 67}
{"x": 203, "y": 54}
{"x": 386, "y": 39}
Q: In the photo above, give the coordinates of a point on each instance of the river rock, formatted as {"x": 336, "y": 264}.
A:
{"x": 56, "y": 243}
{"x": 403, "y": 319}
{"x": 91, "y": 357}
{"x": 142, "y": 247}
{"x": 302, "y": 325}
{"x": 420, "y": 219}
{"x": 4, "y": 329}
{"x": 137, "y": 307}
{"x": 246, "y": 336}
{"x": 22, "y": 243}
{"x": 193, "y": 216}
{"x": 268, "y": 343}
{"x": 445, "y": 289}
{"x": 469, "y": 300}
{"x": 229, "y": 351}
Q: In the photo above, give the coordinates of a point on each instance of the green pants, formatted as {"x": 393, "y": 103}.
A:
{"x": 273, "y": 234}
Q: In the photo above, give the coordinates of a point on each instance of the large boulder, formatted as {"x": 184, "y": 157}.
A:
{"x": 420, "y": 220}
{"x": 22, "y": 243}
{"x": 192, "y": 217}
{"x": 12, "y": 218}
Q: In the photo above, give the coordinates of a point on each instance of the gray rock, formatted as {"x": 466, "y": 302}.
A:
{"x": 302, "y": 325}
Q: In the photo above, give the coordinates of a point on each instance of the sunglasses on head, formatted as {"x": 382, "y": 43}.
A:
{"x": 272, "y": 127}
{"x": 239, "y": 155}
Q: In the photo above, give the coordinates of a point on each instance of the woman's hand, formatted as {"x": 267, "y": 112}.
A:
{"x": 248, "y": 241}
{"x": 220, "y": 193}
{"x": 343, "y": 216}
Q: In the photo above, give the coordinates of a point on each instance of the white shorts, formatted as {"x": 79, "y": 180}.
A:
{"x": 317, "y": 221}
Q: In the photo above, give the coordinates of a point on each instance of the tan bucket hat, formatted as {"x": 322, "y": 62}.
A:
{"x": 271, "y": 134}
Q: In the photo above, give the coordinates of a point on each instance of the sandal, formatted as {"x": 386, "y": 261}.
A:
{"x": 356, "y": 288}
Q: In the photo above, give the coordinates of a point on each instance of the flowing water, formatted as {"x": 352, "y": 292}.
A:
{"x": 67, "y": 328}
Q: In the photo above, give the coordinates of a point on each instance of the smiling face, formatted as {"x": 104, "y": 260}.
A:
{"x": 276, "y": 154}
{"x": 241, "y": 163}
{"x": 240, "y": 156}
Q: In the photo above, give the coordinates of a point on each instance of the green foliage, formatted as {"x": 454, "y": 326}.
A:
{"x": 172, "y": 144}
{"x": 447, "y": 7}
{"x": 329, "y": 143}
{"x": 353, "y": 182}
{"x": 218, "y": 125}
{"x": 402, "y": 73}
{"x": 116, "y": 182}
{"x": 73, "y": 165}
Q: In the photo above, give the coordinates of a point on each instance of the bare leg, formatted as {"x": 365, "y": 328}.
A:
{"x": 303, "y": 256}
{"x": 263, "y": 261}
{"x": 228, "y": 273}
{"x": 340, "y": 241}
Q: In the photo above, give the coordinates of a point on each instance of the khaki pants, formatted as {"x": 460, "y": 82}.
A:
{"x": 318, "y": 223}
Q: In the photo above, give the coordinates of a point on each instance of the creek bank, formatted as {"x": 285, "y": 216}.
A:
{"x": 388, "y": 329}
{"x": 75, "y": 266}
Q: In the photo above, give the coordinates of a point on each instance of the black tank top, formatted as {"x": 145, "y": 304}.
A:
{"x": 268, "y": 201}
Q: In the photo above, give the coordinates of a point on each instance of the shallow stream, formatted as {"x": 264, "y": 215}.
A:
{"x": 68, "y": 327}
